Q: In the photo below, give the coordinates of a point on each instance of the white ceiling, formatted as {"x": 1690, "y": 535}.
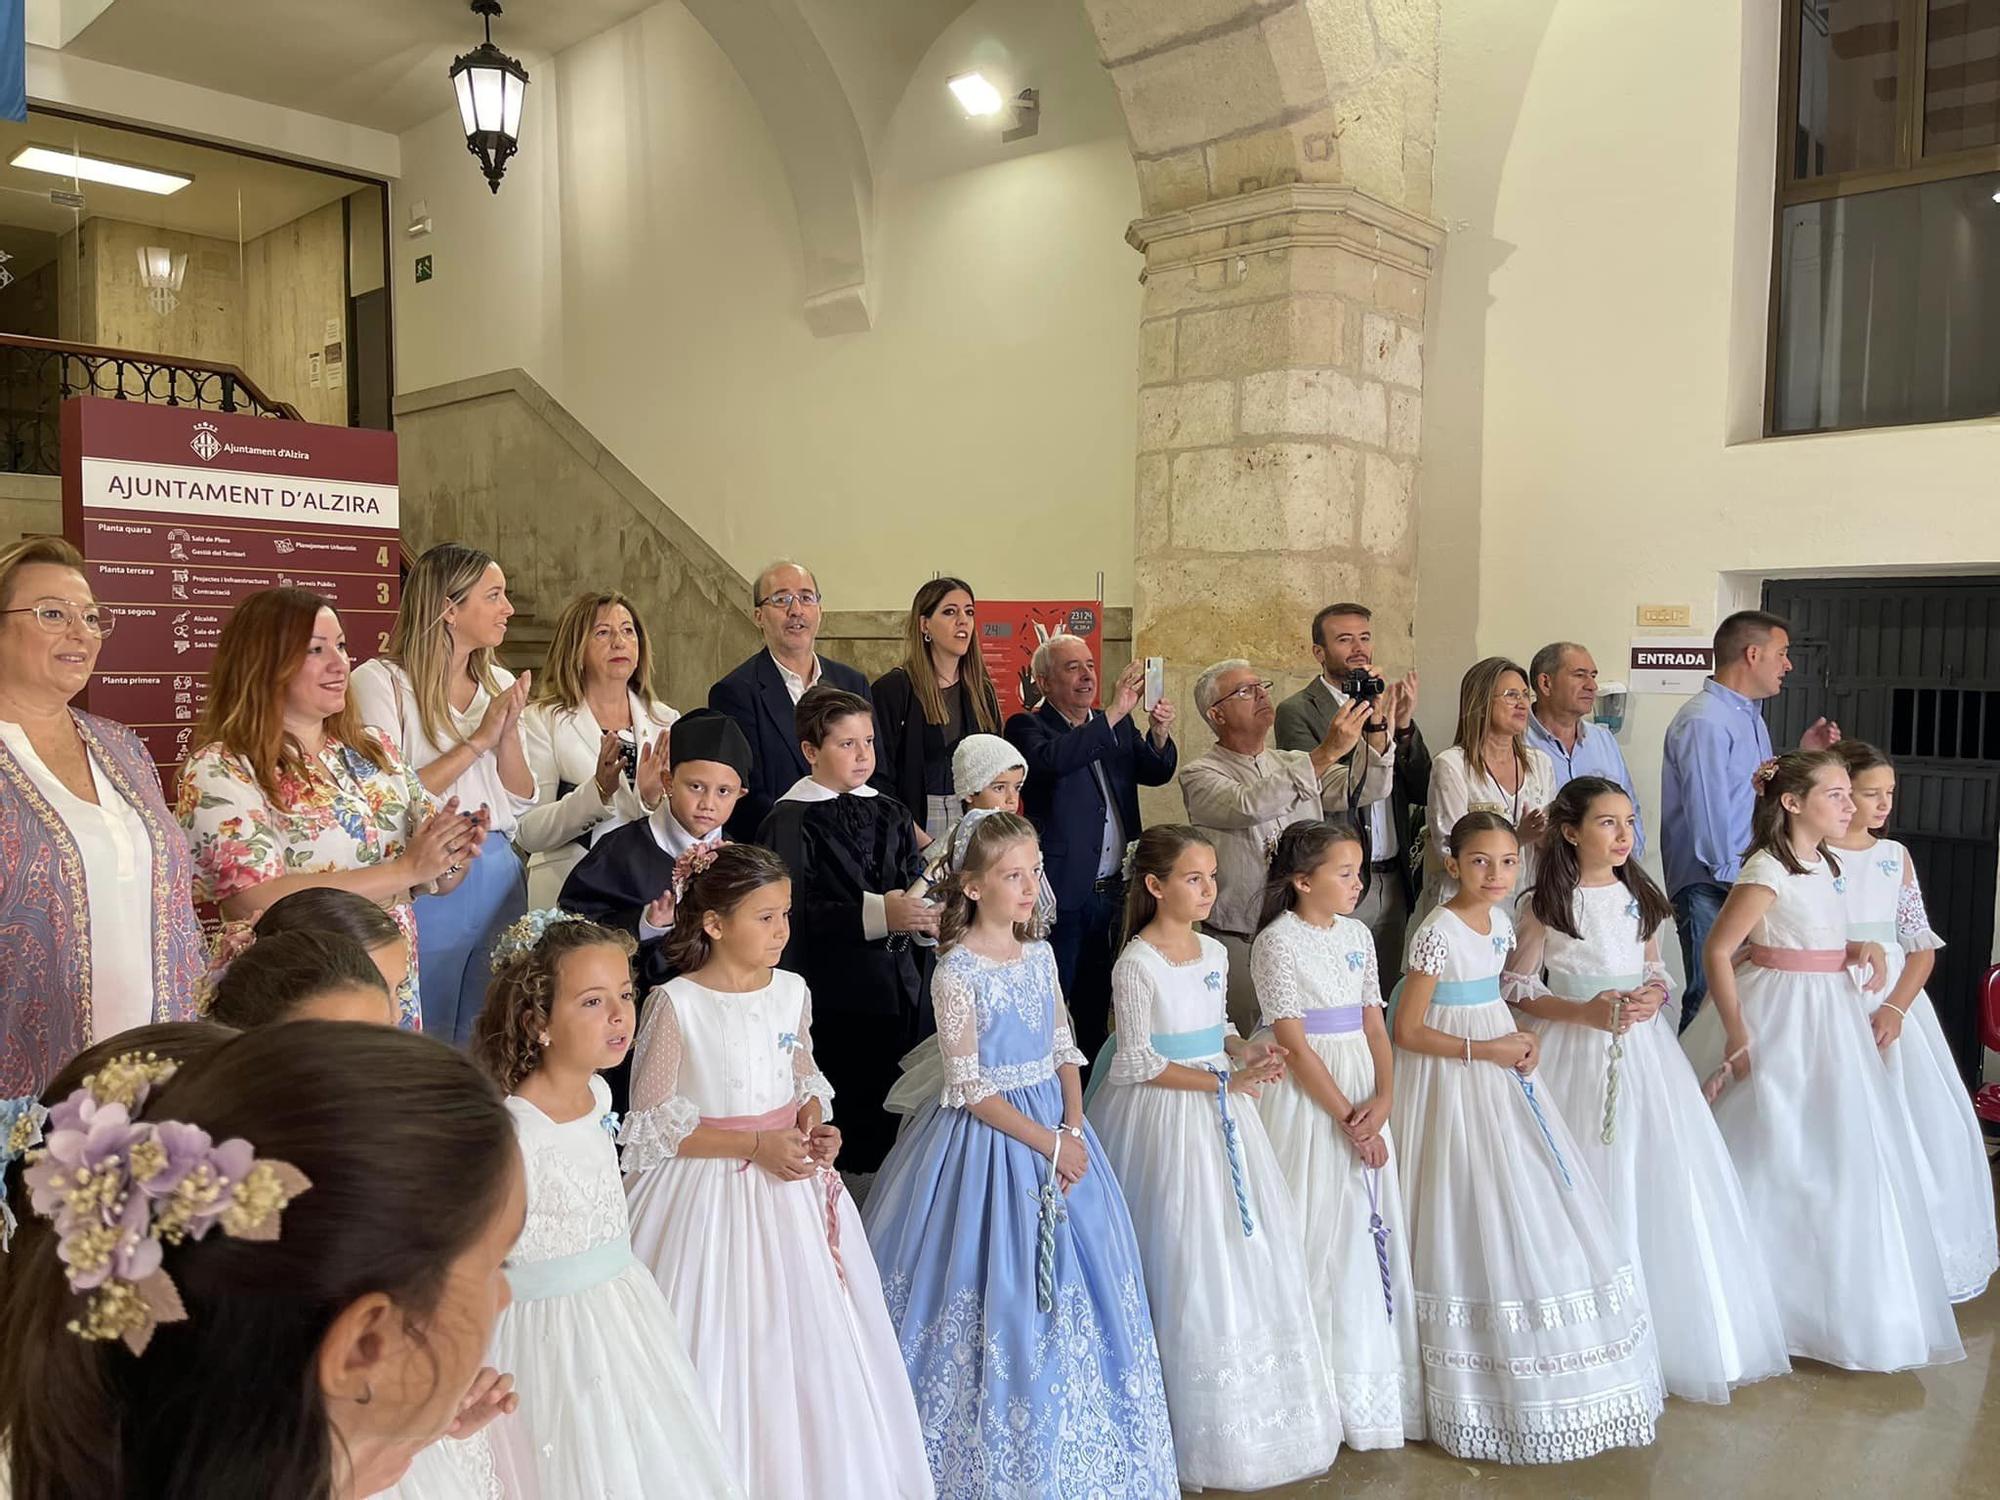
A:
{"x": 379, "y": 63}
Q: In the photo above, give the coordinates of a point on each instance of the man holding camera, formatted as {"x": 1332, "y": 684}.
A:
{"x": 1344, "y": 645}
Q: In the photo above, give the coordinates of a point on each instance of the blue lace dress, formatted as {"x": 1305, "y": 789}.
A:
{"x": 1021, "y": 1394}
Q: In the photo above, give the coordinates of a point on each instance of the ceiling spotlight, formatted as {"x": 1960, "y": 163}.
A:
{"x": 975, "y": 95}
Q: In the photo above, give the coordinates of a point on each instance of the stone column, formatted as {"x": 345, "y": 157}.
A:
{"x": 1280, "y": 407}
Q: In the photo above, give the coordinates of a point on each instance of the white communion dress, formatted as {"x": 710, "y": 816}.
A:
{"x": 1823, "y": 1149}
{"x": 1532, "y": 1319}
{"x": 1645, "y": 1134}
{"x": 1886, "y": 906}
{"x": 1247, "y": 1390}
{"x": 1362, "y": 1302}
{"x": 772, "y": 1281}
{"x": 609, "y": 1403}
{"x": 445, "y": 1470}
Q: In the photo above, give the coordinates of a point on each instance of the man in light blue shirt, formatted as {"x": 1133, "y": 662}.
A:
{"x": 1564, "y": 676}
{"x": 1714, "y": 746}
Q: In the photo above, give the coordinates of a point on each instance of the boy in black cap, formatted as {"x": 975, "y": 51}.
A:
{"x": 630, "y": 878}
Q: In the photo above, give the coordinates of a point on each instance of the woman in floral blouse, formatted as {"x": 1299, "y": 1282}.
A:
{"x": 288, "y": 790}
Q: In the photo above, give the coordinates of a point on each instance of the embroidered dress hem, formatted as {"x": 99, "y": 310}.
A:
{"x": 1544, "y": 1432}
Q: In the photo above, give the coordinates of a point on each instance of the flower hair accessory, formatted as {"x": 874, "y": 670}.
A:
{"x": 692, "y": 863}
{"x": 120, "y": 1191}
{"x": 20, "y": 1132}
{"x": 1761, "y": 777}
{"x": 526, "y": 933}
{"x": 961, "y": 836}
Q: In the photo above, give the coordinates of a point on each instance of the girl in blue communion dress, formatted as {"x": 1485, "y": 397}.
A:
{"x": 1005, "y": 1247}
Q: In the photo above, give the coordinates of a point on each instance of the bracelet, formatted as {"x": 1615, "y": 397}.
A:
{"x": 1898, "y": 1009}
{"x": 1468, "y": 1052}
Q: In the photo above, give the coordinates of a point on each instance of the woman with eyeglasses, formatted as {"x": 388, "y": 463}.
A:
{"x": 97, "y": 925}
{"x": 1490, "y": 767}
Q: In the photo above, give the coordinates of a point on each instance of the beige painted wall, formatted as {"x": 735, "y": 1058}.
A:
{"x": 1606, "y": 173}
{"x": 986, "y": 423}
{"x": 294, "y": 284}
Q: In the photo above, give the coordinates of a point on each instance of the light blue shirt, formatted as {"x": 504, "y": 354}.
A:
{"x": 1596, "y": 754}
{"x": 1714, "y": 746}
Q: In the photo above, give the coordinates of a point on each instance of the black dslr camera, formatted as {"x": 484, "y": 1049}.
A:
{"x": 1362, "y": 684}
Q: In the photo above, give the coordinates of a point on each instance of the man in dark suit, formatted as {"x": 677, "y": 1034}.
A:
{"x": 762, "y": 695}
{"x": 1344, "y": 645}
{"x": 1085, "y": 767}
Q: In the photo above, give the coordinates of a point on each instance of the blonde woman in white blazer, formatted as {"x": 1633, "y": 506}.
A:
{"x": 595, "y": 700}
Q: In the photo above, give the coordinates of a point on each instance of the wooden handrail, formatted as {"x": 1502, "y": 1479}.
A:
{"x": 169, "y": 361}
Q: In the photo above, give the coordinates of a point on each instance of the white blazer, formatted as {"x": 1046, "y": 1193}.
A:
{"x": 562, "y": 747}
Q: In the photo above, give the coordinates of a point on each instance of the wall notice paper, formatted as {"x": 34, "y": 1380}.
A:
{"x": 182, "y": 514}
{"x": 1671, "y": 663}
{"x": 1009, "y": 632}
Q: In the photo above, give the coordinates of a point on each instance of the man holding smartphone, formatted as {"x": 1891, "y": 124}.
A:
{"x": 1343, "y": 642}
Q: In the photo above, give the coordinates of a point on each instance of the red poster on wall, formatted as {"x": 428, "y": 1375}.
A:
{"x": 181, "y": 514}
{"x": 1010, "y": 630}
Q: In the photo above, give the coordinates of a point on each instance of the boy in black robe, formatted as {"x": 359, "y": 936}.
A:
{"x": 853, "y": 856}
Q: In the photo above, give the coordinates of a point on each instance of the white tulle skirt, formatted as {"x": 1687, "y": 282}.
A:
{"x": 1370, "y": 1341}
{"x": 609, "y": 1402}
{"x": 800, "y": 1365}
{"x": 1952, "y": 1169}
{"x": 1531, "y": 1318}
{"x": 1247, "y": 1389}
{"x": 1676, "y": 1202}
{"x": 1825, "y": 1156}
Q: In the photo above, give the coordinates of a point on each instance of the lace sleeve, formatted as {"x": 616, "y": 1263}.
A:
{"x": 1135, "y": 1061}
{"x": 1371, "y": 972}
{"x": 660, "y": 1118}
{"x": 1430, "y": 953}
{"x": 1065, "y": 1048}
{"x": 1274, "y": 972}
{"x": 1913, "y": 923}
{"x": 1522, "y": 978}
{"x": 806, "y": 1076}
{"x": 957, "y": 1010}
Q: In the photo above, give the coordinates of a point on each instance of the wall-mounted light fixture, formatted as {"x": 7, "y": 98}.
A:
{"x": 160, "y": 273}
{"x": 980, "y": 99}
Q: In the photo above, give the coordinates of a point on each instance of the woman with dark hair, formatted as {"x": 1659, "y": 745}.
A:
{"x": 937, "y": 695}
{"x": 287, "y": 791}
{"x": 100, "y": 934}
{"x": 305, "y": 1334}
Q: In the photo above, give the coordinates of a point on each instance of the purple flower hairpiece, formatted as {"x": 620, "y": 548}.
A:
{"x": 120, "y": 1190}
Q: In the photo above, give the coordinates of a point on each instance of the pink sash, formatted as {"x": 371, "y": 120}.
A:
{"x": 1799, "y": 960}
{"x": 783, "y": 1118}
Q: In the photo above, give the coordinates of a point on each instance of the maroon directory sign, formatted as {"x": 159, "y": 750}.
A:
{"x": 182, "y": 514}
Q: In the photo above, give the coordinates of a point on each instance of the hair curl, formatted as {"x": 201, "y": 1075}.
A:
{"x": 992, "y": 836}
{"x": 506, "y": 1040}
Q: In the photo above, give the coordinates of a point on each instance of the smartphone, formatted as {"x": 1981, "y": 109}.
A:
{"x": 1156, "y": 682}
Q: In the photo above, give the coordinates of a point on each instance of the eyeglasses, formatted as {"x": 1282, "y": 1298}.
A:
{"x": 1261, "y": 689}
{"x": 806, "y": 597}
{"x": 1514, "y": 695}
{"x": 56, "y": 615}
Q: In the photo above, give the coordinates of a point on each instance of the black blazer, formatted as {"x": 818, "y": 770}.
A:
{"x": 754, "y": 696}
{"x": 900, "y": 728}
{"x": 1302, "y": 723}
{"x": 1061, "y": 797}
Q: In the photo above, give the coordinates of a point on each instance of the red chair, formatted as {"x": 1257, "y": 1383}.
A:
{"x": 1986, "y": 1103}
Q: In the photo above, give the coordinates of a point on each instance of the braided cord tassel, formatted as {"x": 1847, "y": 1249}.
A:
{"x": 1232, "y": 1143}
{"x": 1379, "y": 1232}
{"x": 1616, "y": 1051}
{"x": 831, "y": 1180}
{"x": 1053, "y": 1213}
{"x": 1535, "y": 1103}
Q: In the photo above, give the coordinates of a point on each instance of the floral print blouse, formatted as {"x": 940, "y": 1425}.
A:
{"x": 341, "y": 814}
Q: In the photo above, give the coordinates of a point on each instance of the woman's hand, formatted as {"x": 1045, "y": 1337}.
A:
{"x": 823, "y": 1144}
{"x": 1887, "y": 1024}
{"x": 783, "y": 1153}
{"x": 649, "y": 777}
{"x": 610, "y": 765}
{"x": 490, "y": 1395}
{"x": 503, "y": 712}
{"x": 1071, "y": 1160}
{"x": 443, "y": 841}
{"x": 659, "y": 911}
{"x": 1534, "y": 823}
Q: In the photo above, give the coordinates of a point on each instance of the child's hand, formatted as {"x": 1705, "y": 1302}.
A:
{"x": 490, "y": 1395}
{"x": 660, "y": 910}
{"x": 1878, "y": 967}
{"x": 1644, "y": 1003}
{"x": 1531, "y": 1053}
{"x": 1257, "y": 1052}
{"x": 1072, "y": 1161}
{"x": 906, "y": 913}
{"x": 783, "y": 1154}
{"x": 1366, "y": 1123}
{"x": 823, "y": 1144}
{"x": 1260, "y": 1069}
{"x": 1374, "y": 1152}
{"x": 1887, "y": 1024}
{"x": 1601, "y": 1010}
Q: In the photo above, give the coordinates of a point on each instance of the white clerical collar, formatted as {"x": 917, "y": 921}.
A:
{"x": 796, "y": 683}
{"x": 805, "y": 789}
{"x": 672, "y": 837}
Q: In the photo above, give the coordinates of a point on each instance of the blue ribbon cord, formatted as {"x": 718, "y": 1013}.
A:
{"x": 1379, "y": 1232}
{"x": 1535, "y": 1103}
{"x": 1053, "y": 1212}
{"x": 1232, "y": 1143}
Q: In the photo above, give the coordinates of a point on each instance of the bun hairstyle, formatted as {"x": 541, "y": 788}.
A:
{"x": 1790, "y": 775}
{"x": 736, "y": 871}
{"x": 1859, "y": 756}
{"x": 506, "y": 1039}
{"x": 409, "y": 1153}
{"x": 1560, "y": 869}
{"x": 1159, "y": 849}
{"x": 992, "y": 836}
{"x": 328, "y": 909}
{"x": 1474, "y": 823}
{"x": 274, "y": 976}
{"x": 1302, "y": 848}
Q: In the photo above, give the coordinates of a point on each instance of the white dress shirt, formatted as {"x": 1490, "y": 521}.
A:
{"x": 1380, "y": 813}
{"x": 382, "y": 694}
{"x": 795, "y": 684}
{"x": 562, "y": 745}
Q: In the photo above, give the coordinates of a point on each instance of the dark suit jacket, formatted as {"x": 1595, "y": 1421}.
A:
{"x": 1062, "y": 799}
{"x": 1303, "y": 720}
{"x": 754, "y": 696}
